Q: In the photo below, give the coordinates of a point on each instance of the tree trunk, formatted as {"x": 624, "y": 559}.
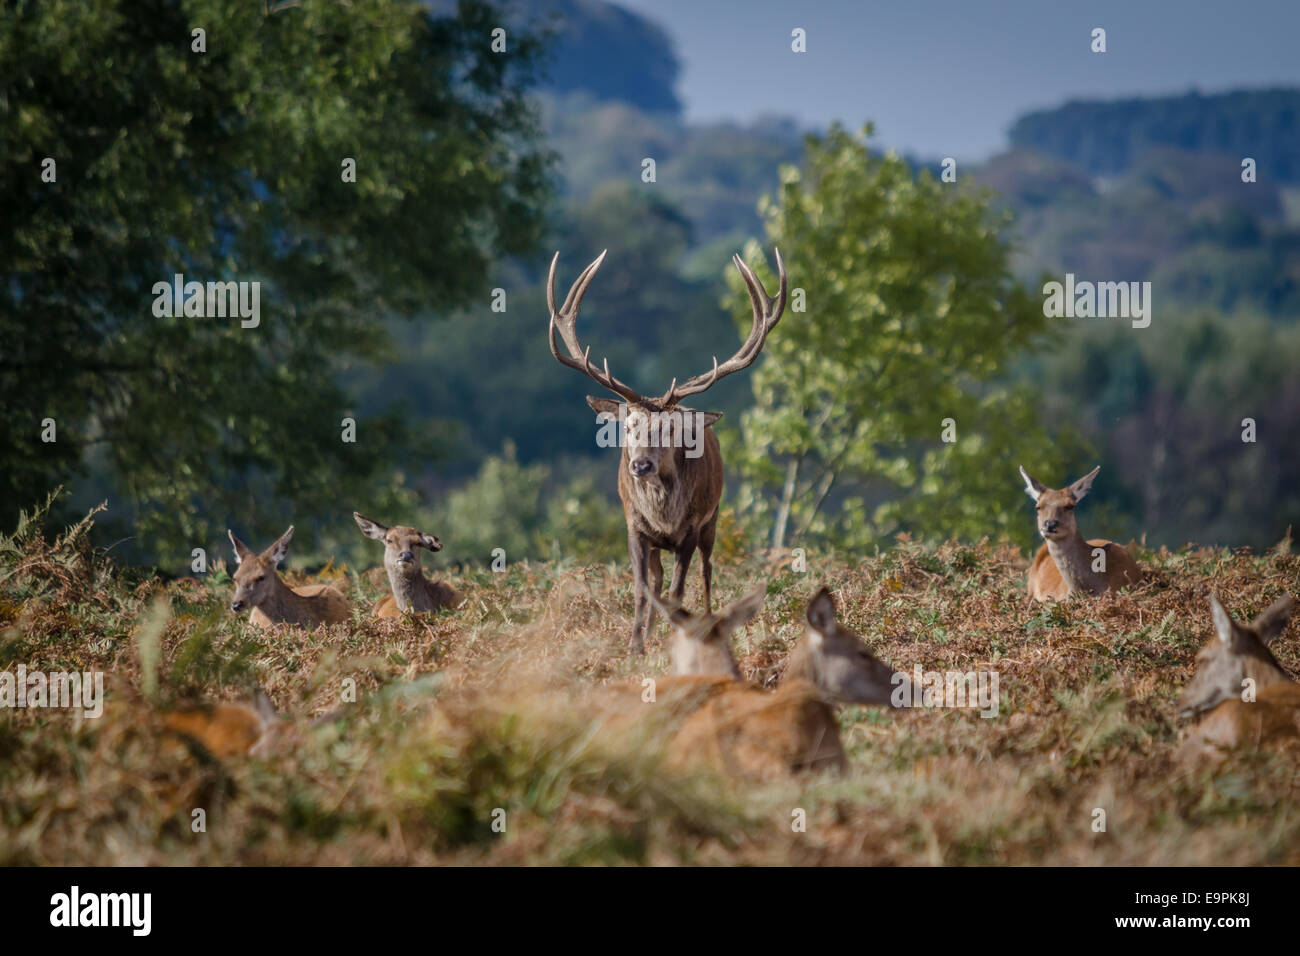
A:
{"x": 787, "y": 499}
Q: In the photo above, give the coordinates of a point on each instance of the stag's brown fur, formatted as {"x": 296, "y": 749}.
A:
{"x": 670, "y": 498}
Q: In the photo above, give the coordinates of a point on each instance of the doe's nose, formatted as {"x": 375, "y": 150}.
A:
{"x": 407, "y": 556}
{"x": 1051, "y": 525}
{"x": 236, "y": 606}
{"x": 640, "y": 467}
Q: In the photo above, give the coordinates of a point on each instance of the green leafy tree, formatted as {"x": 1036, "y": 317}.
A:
{"x": 228, "y": 164}
{"x": 911, "y": 326}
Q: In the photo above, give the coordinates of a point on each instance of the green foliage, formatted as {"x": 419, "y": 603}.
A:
{"x": 912, "y": 319}
{"x": 226, "y": 165}
{"x": 526, "y": 511}
{"x": 1106, "y": 137}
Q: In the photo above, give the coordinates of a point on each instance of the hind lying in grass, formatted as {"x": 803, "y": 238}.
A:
{"x": 1243, "y": 697}
{"x": 270, "y": 601}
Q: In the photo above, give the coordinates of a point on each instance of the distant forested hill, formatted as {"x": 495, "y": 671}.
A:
{"x": 1107, "y": 137}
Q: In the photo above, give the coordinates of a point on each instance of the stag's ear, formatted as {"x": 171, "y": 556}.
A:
{"x": 1083, "y": 485}
{"x": 371, "y": 529}
{"x": 429, "y": 542}
{"x": 241, "y": 550}
{"x": 280, "y": 550}
{"x": 821, "y": 612}
{"x": 1272, "y": 621}
{"x": 604, "y": 406}
{"x": 1223, "y": 625}
{"x": 707, "y": 418}
{"x": 1033, "y": 487}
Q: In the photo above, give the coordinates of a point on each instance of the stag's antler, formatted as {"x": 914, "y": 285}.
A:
{"x": 565, "y": 320}
{"x": 767, "y": 312}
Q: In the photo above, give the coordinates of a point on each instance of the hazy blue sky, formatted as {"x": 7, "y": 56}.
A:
{"x": 948, "y": 77}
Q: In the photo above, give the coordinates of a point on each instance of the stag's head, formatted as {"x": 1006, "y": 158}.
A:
{"x": 255, "y": 577}
{"x": 657, "y": 432}
{"x": 401, "y": 544}
{"x": 1055, "y": 507}
{"x": 1236, "y": 653}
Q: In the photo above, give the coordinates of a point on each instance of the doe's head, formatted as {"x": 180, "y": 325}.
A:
{"x": 401, "y": 542}
{"x": 256, "y": 575}
{"x": 701, "y": 643}
{"x": 833, "y": 657}
{"x": 1235, "y": 653}
{"x": 1055, "y": 506}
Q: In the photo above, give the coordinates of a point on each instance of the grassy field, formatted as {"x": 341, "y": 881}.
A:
{"x": 503, "y": 706}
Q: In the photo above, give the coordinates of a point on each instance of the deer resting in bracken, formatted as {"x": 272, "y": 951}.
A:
{"x": 1243, "y": 697}
{"x": 1066, "y": 563}
{"x": 412, "y": 591}
{"x": 270, "y": 601}
{"x": 744, "y": 730}
{"x": 670, "y": 471}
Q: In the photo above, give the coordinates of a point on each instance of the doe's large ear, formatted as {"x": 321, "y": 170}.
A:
{"x": 241, "y": 550}
{"x": 371, "y": 529}
{"x": 429, "y": 542}
{"x": 1273, "y": 619}
{"x": 280, "y": 550}
{"x": 1083, "y": 485}
{"x": 821, "y": 611}
{"x": 742, "y": 610}
{"x": 1033, "y": 487}
{"x": 669, "y": 609}
{"x": 1223, "y": 625}
{"x": 264, "y": 708}
{"x": 604, "y": 406}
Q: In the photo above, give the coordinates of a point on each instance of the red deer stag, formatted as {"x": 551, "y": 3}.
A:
{"x": 670, "y": 471}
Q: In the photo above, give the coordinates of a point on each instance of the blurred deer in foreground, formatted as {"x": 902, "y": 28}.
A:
{"x": 412, "y": 591}
{"x": 258, "y": 588}
{"x": 743, "y": 729}
{"x": 229, "y": 730}
{"x": 1066, "y": 563}
{"x": 670, "y": 471}
{"x": 1246, "y": 698}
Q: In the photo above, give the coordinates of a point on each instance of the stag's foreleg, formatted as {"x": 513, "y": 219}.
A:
{"x": 640, "y": 551}
{"x": 707, "y": 534}
{"x": 655, "y": 569}
{"x": 684, "y": 550}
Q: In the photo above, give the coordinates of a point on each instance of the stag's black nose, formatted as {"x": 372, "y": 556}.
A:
{"x": 640, "y": 467}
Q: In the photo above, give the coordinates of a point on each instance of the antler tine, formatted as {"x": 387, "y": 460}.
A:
{"x": 565, "y": 321}
{"x": 767, "y": 312}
